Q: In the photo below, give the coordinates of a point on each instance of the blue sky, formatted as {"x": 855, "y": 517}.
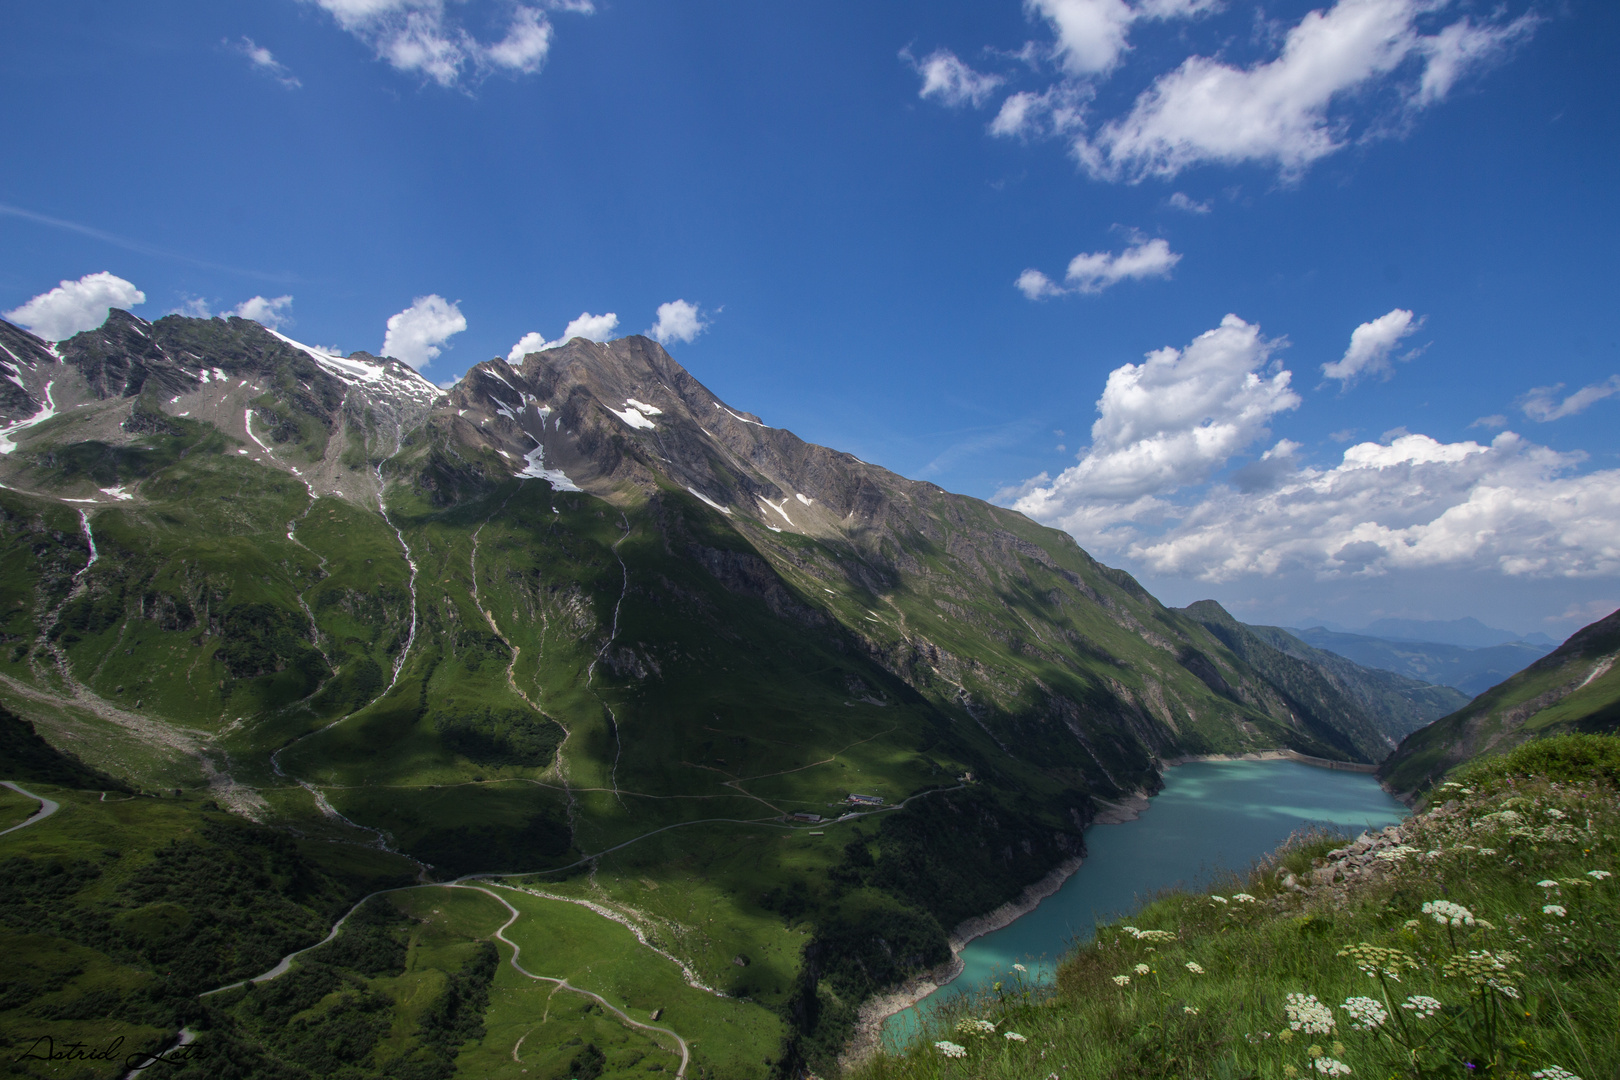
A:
{"x": 849, "y": 199}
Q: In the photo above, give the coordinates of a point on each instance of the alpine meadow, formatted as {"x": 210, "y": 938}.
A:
{"x": 1089, "y": 555}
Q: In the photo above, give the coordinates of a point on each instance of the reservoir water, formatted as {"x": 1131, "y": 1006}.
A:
{"x": 1211, "y": 816}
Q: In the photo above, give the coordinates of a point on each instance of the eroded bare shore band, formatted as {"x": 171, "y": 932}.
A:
{"x": 867, "y": 1038}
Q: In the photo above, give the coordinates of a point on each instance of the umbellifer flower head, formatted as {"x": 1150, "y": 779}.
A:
{"x": 1330, "y": 1067}
{"x": 1307, "y": 1014}
{"x": 1141, "y": 969}
{"x": 1377, "y": 960}
{"x": 1013, "y": 1036}
{"x": 950, "y": 1049}
{"x": 1194, "y": 967}
{"x": 1444, "y": 911}
{"x": 1122, "y": 980}
{"x": 1553, "y": 1072}
{"x": 1554, "y": 909}
{"x": 1422, "y": 1005}
{"x": 972, "y": 1027}
{"x": 1365, "y": 1013}
{"x": 1599, "y": 875}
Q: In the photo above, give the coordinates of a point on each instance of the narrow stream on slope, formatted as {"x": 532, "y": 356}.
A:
{"x": 1211, "y": 816}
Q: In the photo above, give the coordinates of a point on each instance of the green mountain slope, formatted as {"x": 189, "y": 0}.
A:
{"x": 1573, "y": 689}
{"x": 1398, "y": 705}
{"x": 579, "y": 620}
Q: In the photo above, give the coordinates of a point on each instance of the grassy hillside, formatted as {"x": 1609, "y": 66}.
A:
{"x": 1576, "y": 688}
{"x": 332, "y": 608}
{"x": 1474, "y": 940}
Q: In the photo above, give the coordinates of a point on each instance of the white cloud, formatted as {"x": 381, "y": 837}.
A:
{"x": 1170, "y": 421}
{"x": 1417, "y": 503}
{"x": 266, "y": 312}
{"x": 529, "y": 343}
{"x": 415, "y": 334}
{"x": 1091, "y": 34}
{"x": 74, "y": 306}
{"x": 1278, "y": 112}
{"x": 593, "y": 327}
{"x": 1541, "y": 404}
{"x": 1037, "y": 286}
{"x": 1370, "y": 346}
{"x": 1058, "y": 109}
{"x": 265, "y": 63}
{"x": 677, "y": 321}
{"x": 1092, "y": 272}
{"x": 945, "y": 77}
{"x": 526, "y": 44}
{"x": 1182, "y": 201}
{"x": 1409, "y": 503}
{"x": 422, "y": 36}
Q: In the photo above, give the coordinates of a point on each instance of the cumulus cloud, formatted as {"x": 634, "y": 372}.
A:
{"x": 1182, "y": 201}
{"x": 1091, "y": 35}
{"x": 1092, "y": 272}
{"x": 593, "y": 327}
{"x": 529, "y": 343}
{"x": 269, "y": 312}
{"x": 588, "y": 326}
{"x": 423, "y": 37}
{"x": 1058, "y": 109}
{"x": 1410, "y": 502}
{"x": 1542, "y": 404}
{"x": 265, "y": 63}
{"x": 1168, "y": 422}
{"x": 1371, "y": 344}
{"x": 948, "y": 79}
{"x": 677, "y": 321}
{"x": 1511, "y": 506}
{"x": 415, "y": 335}
{"x": 1279, "y": 112}
{"x": 74, "y": 306}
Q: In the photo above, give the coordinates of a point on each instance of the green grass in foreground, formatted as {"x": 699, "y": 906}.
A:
{"x": 1520, "y": 981}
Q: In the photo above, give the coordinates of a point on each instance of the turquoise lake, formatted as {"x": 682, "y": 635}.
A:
{"x": 1211, "y": 816}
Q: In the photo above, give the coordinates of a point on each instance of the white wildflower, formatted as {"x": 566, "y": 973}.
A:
{"x": 1422, "y": 1005}
{"x": 1553, "y": 909}
{"x": 1598, "y": 874}
{"x": 1189, "y": 1010}
{"x": 1244, "y": 898}
{"x": 975, "y": 1027}
{"x": 1365, "y": 1013}
{"x": 1122, "y": 980}
{"x": 1194, "y": 967}
{"x": 1307, "y": 1014}
{"x": 1330, "y": 1067}
{"x": 1013, "y": 1036}
{"x": 1141, "y": 969}
{"x": 1487, "y": 851}
{"x": 1553, "y": 1072}
{"x": 950, "y": 1049}
{"x": 1555, "y": 813}
{"x": 1546, "y": 883}
{"x": 1020, "y": 968}
{"x": 1218, "y": 899}
{"x": 1412, "y": 924}
{"x": 1444, "y": 911}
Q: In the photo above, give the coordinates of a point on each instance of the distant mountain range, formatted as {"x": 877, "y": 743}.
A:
{"x": 1471, "y": 669}
{"x": 1469, "y": 633}
{"x": 1575, "y": 688}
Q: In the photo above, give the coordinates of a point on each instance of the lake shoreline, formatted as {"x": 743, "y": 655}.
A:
{"x": 867, "y": 1038}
